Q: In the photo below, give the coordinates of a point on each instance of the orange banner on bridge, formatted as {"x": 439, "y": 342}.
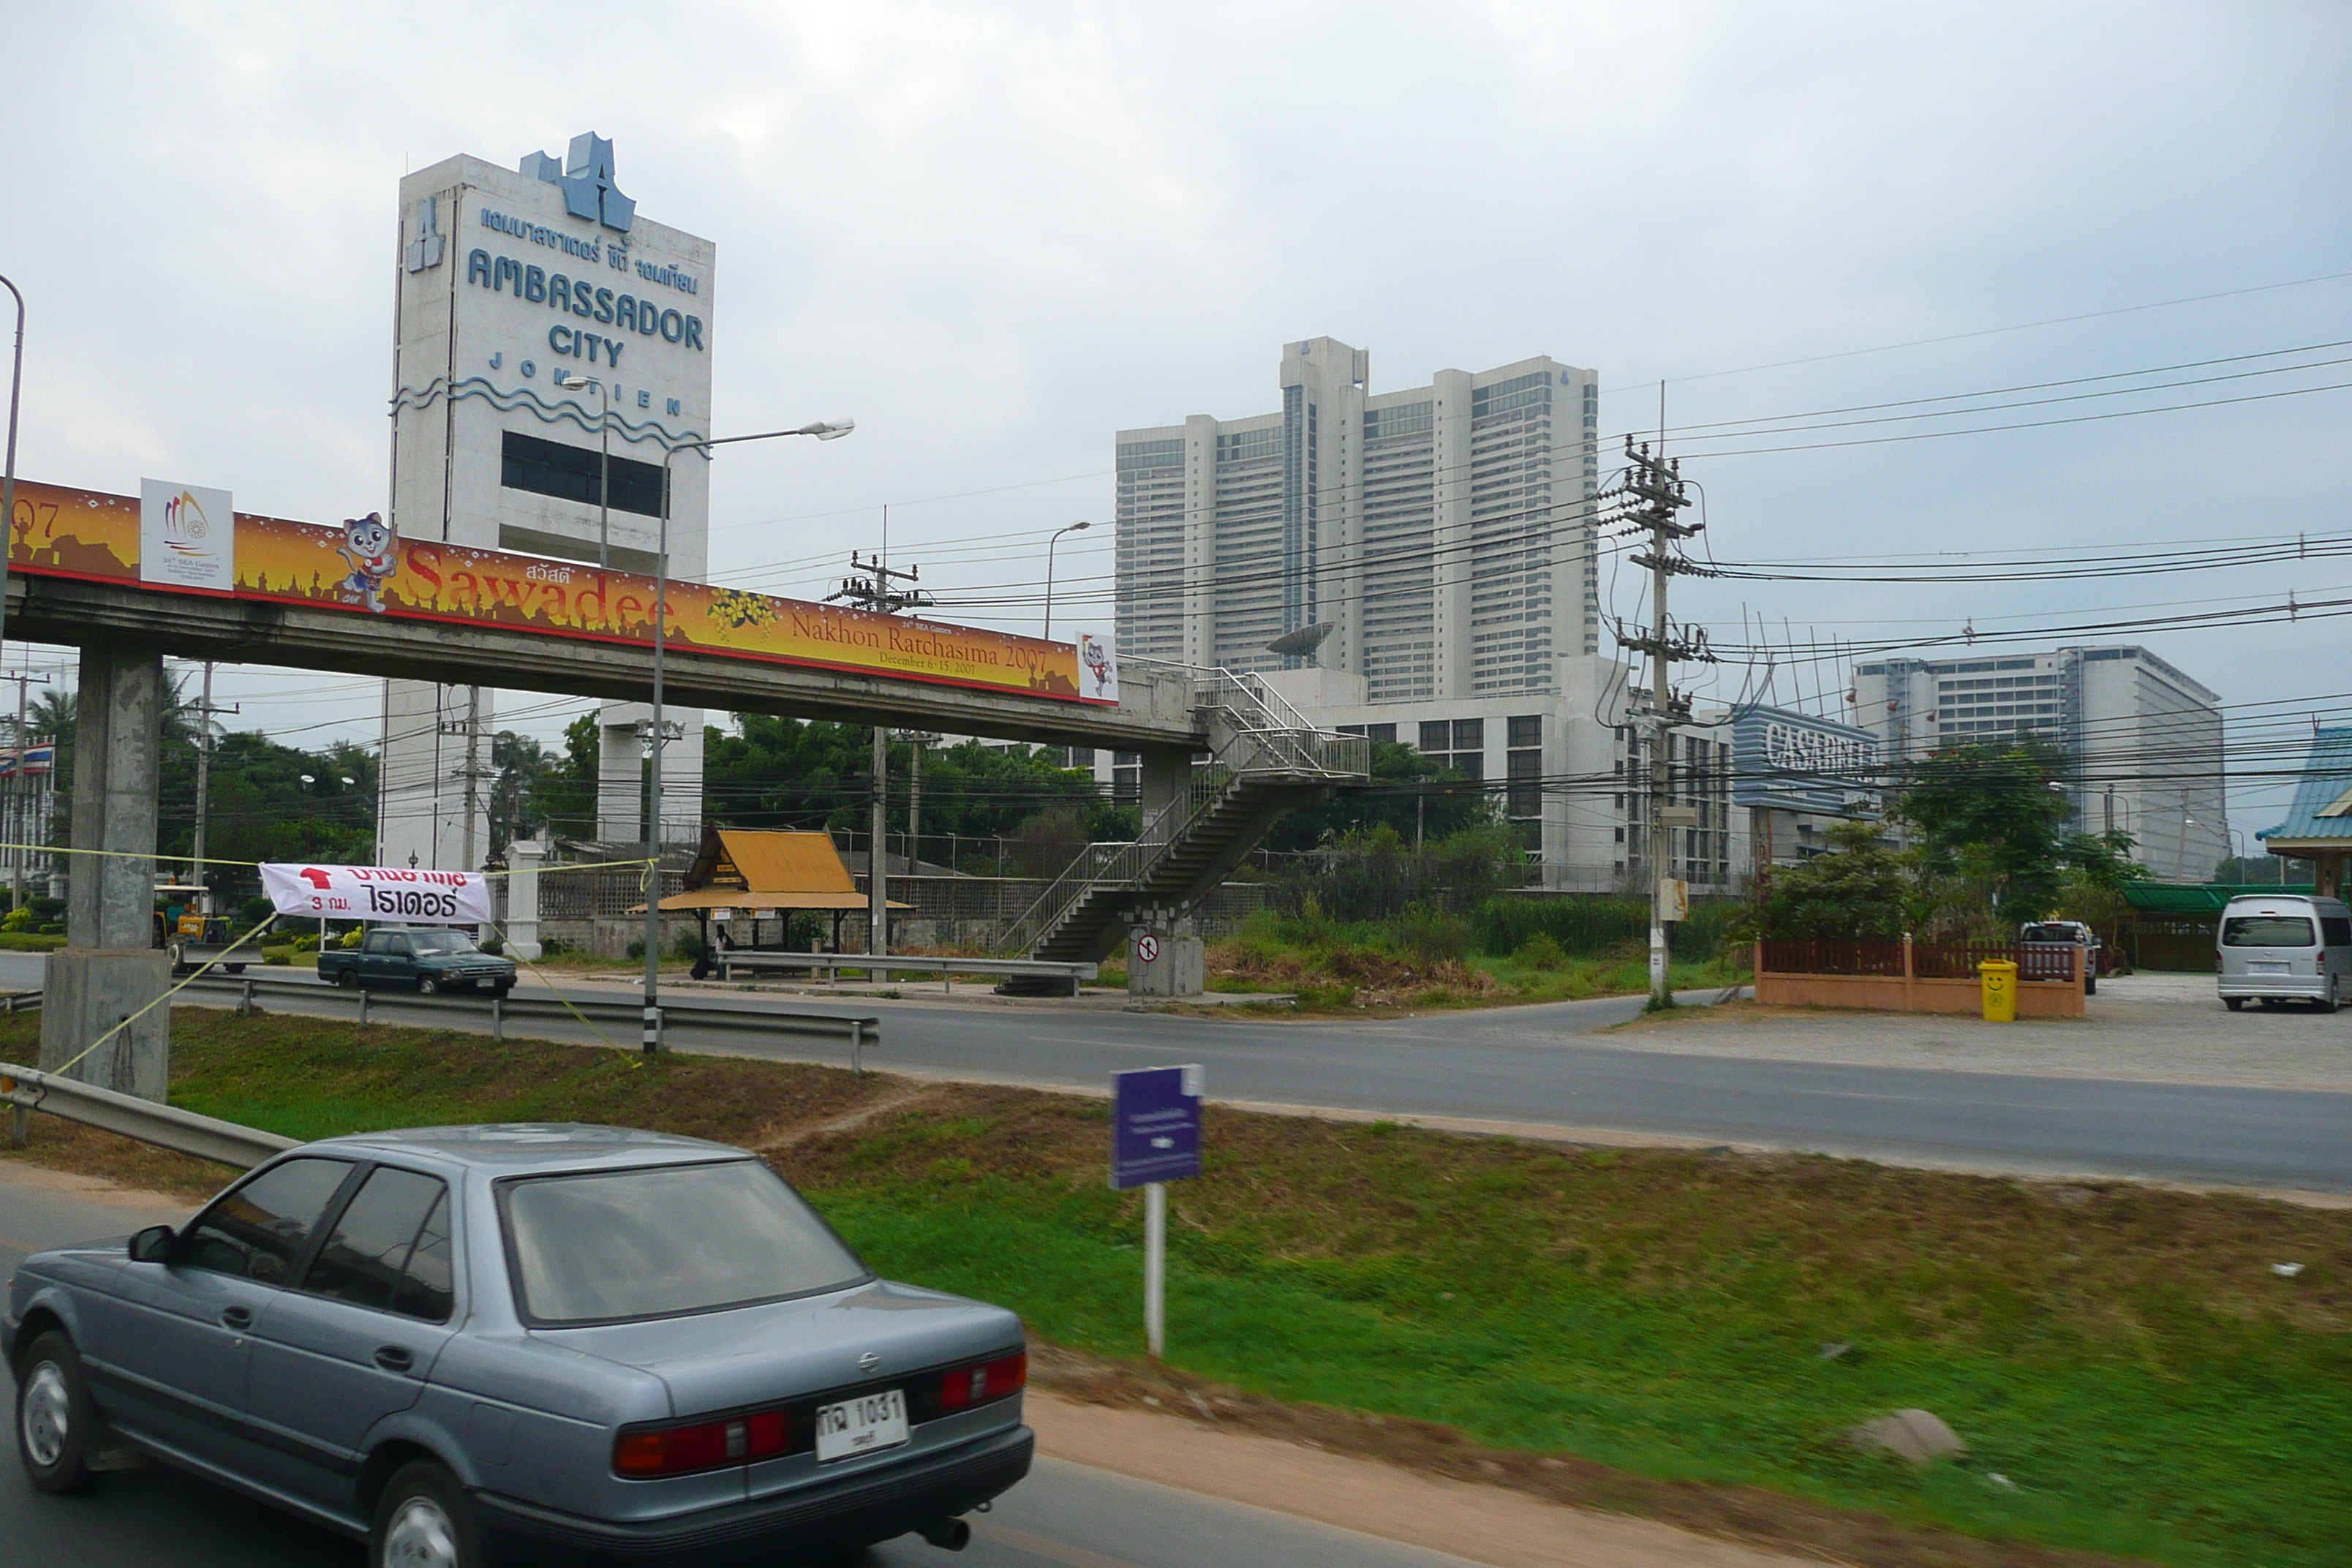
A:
{"x": 89, "y": 534}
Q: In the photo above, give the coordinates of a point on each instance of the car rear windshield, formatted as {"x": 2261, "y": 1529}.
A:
{"x": 609, "y": 1245}
{"x": 2266, "y": 930}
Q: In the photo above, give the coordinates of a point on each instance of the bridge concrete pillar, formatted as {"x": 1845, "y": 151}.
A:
{"x": 1167, "y": 779}
{"x": 110, "y": 968}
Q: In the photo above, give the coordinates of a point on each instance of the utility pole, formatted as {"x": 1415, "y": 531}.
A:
{"x": 471, "y": 772}
{"x": 20, "y": 831}
{"x": 1655, "y": 486}
{"x": 878, "y": 592}
{"x": 205, "y": 711}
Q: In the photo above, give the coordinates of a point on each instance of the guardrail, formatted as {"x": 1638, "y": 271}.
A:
{"x": 859, "y": 1031}
{"x": 831, "y": 964}
{"x": 205, "y": 1137}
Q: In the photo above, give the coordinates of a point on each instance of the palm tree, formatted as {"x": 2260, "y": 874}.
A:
{"x": 52, "y": 717}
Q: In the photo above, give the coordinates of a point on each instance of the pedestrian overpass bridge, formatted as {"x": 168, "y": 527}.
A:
{"x": 108, "y": 575}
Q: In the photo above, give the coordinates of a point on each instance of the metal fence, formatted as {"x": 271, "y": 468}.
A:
{"x": 1812, "y": 955}
{"x": 1927, "y": 960}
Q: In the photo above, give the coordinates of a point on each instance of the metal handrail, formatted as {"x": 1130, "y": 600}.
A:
{"x": 1270, "y": 738}
{"x": 1123, "y": 863}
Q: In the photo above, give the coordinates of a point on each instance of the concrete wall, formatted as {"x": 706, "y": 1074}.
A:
{"x": 1893, "y": 994}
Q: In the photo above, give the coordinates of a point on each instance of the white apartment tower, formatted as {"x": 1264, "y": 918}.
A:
{"x": 2148, "y": 739}
{"x": 1442, "y": 534}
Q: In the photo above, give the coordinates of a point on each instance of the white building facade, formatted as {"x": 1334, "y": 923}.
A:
{"x": 2149, "y": 738}
{"x": 509, "y": 278}
{"x": 1439, "y": 539}
{"x": 1568, "y": 769}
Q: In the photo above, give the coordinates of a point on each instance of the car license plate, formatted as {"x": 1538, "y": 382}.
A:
{"x": 2259, "y": 968}
{"x": 861, "y": 1425}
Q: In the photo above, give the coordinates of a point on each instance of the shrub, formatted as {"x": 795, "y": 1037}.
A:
{"x": 306, "y": 942}
{"x": 1432, "y": 936}
{"x": 1541, "y": 951}
{"x": 279, "y": 955}
{"x": 494, "y": 945}
{"x": 19, "y": 919}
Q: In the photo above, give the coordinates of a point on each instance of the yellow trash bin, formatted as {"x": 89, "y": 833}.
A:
{"x": 1999, "y": 978}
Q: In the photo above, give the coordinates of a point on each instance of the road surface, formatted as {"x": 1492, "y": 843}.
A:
{"x": 1064, "y": 1516}
{"x": 1548, "y": 1065}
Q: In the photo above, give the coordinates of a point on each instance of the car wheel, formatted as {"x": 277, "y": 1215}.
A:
{"x": 2090, "y": 985}
{"x": 234, "y": 968}
{"x": 2333, "y": 1000}
{"x": 427, "y": 986}
{"x": 2233, "y": 1003}
{"x": 502, "y": 987}
{"x": 53, "y": 1415}
{"x": 348, "y": 979}
{"x": 424, "y": 1520}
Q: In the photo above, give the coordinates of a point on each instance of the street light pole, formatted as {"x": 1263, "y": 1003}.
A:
{"x": 823, "y": 430}
{"x": 1073, "y": 528}
{"x": 8, "y": 483}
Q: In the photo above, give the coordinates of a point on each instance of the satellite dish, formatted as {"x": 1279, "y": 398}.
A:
{"x": 1303, "y": 641}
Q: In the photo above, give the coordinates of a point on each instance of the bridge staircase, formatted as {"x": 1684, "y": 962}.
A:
{"x": 1266, "y": 762}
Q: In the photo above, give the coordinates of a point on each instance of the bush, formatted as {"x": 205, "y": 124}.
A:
{"x": 554, "y": 947}
{"x": 494, "y": 945}
{"x": 1585, "y": 926}
{"x": 280, "y": 956}
{"x": 1541, "y": 951}
{"x": 55, "y": 927}
{"x": 306, "y": 942}
{"x": 1432, "y": 936}
{"x": 19, "y": 919}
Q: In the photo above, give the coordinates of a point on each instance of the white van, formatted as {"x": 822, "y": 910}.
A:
{"x": 2274, "y": 947}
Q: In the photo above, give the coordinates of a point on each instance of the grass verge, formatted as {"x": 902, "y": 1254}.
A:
{"x": 1651, "y": 1321}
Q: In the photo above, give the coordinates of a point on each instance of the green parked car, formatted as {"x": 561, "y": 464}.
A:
{"x": 420, "y": 958}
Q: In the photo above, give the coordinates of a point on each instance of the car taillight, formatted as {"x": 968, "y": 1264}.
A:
{"x": 978, "y": 1384}
{"x": 703, "y": 1446}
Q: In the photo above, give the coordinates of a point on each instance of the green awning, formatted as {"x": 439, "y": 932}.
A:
{"x": 2208, "y": 898}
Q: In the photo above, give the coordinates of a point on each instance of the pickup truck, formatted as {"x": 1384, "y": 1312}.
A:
{"x": 426, "y": 959}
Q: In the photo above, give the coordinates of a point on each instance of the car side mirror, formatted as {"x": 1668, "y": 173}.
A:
{"x": 153, "y": 1245}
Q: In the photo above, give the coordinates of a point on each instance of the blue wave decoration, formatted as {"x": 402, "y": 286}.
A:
{"x": 554, "y": 411}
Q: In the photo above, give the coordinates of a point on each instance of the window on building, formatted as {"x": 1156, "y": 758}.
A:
{"x": 1524, "y": 796}
{"x": 1437, "y": 735}
{"x": 1386, "y": 732}
{"x": 1526, "y": 730}
{"x": 570, "y": 473}
{"x": 1469, "y": 734}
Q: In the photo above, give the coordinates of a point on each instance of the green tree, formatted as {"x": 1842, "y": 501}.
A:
{"x": 784, "y": 773}
{"x": 1408, "y": 793}
{"x": 1990, "y": 818}
{"x": 1861, "y": 891}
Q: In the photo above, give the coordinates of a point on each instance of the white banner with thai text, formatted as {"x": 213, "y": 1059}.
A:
{"x": 378, "y": 893}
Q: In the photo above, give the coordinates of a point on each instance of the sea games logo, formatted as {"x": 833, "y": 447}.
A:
{"x": 187, "y": 537}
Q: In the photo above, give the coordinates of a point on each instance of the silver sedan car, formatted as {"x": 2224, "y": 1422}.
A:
{"x": 524, "y": 1343}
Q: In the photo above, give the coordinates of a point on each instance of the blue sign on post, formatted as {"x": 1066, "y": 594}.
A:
{"x": 1155, "y": 1126}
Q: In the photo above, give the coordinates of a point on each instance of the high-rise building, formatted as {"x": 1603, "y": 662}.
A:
{"x": 2148, "y": 738}
{"x": 1439, "y": 539}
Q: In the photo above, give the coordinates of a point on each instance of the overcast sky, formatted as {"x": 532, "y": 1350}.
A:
{"x": 996, "y": 233}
